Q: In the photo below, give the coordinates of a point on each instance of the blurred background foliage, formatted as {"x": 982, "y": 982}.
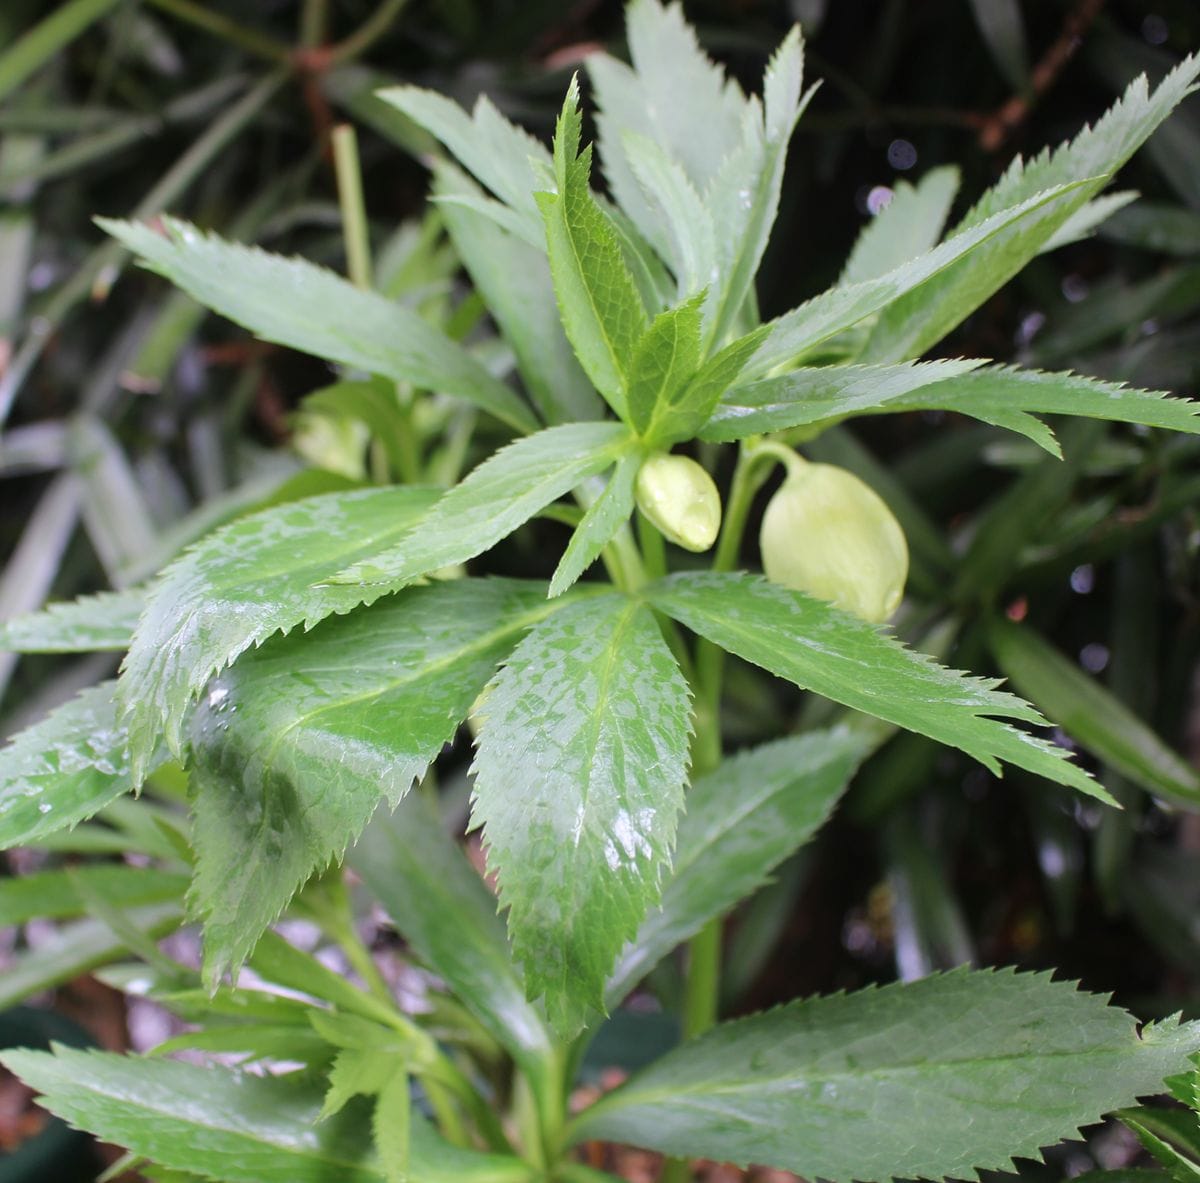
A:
{"x": 133, "y": 421}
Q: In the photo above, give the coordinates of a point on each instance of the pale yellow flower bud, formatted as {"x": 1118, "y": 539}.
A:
{"x": 679, "y": 497}
{"x": 828, "y": 534}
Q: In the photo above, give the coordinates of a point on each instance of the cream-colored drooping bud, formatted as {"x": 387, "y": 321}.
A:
{"x": 679, "y": 497}
{"x": 827, "y": 533}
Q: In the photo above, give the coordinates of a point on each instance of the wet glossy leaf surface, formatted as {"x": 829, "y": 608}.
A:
{"x": 937, "y": 1077}
{"x": 579, "y": 774}
{"x": 65, "y": 768}
{"x": 820, "y": 648}
{"x": 298, "y": 743}
{"x": 230, "y": 1126}
{"x": 257, "y": 576}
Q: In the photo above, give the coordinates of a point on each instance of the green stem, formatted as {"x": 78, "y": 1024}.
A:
{"x": 203, "y": 17}
{"x": 314, "y": 23}
{"x": 703, "y": 982}
{"x": 654, "y": 551}
{"x": 355, "y": 228}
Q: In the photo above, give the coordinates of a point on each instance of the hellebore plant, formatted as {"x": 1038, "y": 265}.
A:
{"x": 616, "y": 828}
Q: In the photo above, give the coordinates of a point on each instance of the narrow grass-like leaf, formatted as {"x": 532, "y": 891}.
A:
{"x": 87, "y": 625}
{"x": 1003, "y": 30}
{"x": 604, "y": 517}
{"x": 440, "y": 906}
{"x": 920, "y": 318}
{"x": 1002, "y": 395}
{"x": 741, "y": 822}
{"x": 820, "y": 648}
{"x": 296, "y": 744}
{"x": 239, "y": 585}
{"x": 38, "y": 45}
{"x": 295, "y": 303}
{"x": 909, "y": 225}
{"x": 65, "y": 768}
{"x": 497, "y": 497}
{"x": 1092, "y": 715}
{"x": 514, "y": 280}
{"x": 579, "y": 773}
{"x": 57, "y": 894}
{"x": 77, "y": 948}
{"x": 231, "y": 1126}
{"x": 598, "y": 301}
{"x": 939, "y": 1077}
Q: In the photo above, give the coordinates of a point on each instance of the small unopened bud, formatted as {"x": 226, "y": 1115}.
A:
{"x": 679, "y": 497}
{"x": 828, "y": 534}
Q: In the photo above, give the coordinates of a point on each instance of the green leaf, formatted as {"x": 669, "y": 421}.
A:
{"x": 88, "y": 624}
{"x": 1091, "y": 714}
{"x": 744, "y": 196}
{"x": 909, "y": 225}
{"x": 814, "y": 394}
{"x": 233, "y": 1127}
{"x": 923, "y": 317}
{"x": 78, "y": 947}
{"x": 41, "y": 42}
{"x": 496, "y": 152}
{"x": 664, "y": 361}
{"x": 939, "y": 1077}
{"x": 1003, "y": 30}
{"x": 240, "y": 584}
{"x": 1001, "y": 395}
{"x": 642, "y": 103}
{"x": 1156, "y": 226}
{"x": 373, "y": 403}
{"x": 439, "y": 904}
{"x": 840, "y": 308}
{"x": 741, "y": 822}
{"x": 604, "y": 517}
{"x": 685, "y": 224}
{"x": 1085, "y": 219}
{"x": 1181, "y": 1167}
{"x": 65, "y": 768}
{"x": 252, "y": 1042}
{"x": 820, "y": 648}
{"x": 514, "y": 280}
{"x": 692, "y": 409}
{"x": 296, "y": 744}
{"x": 357, "y": 1072}
{"x": 579, "y": 774}
{"x": 57, "y": 893}
{"x": 497, "y": 497}
{"x": 278, "y": 961}
{"x": 669, "y": 63}
{"x": 600, "y": 307}
{"x": 295, "y": 303}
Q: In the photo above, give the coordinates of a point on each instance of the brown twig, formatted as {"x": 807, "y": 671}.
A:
{"x": 998, "y": 126}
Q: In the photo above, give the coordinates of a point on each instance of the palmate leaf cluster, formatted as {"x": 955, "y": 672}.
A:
{"x": 309, "y": 663}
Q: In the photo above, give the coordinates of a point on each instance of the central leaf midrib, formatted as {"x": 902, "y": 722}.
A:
{"x": 925, "y": 1066}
